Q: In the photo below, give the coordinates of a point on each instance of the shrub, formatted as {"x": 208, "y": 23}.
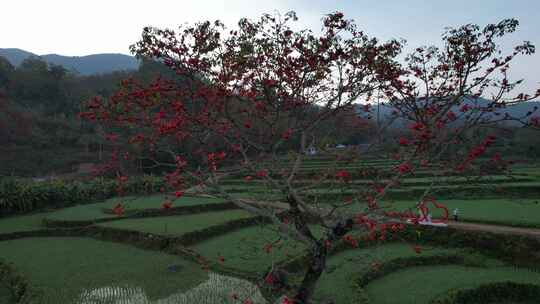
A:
{"x": 19, "y": 196}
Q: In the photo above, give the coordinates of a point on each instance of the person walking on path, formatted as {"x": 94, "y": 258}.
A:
{"x": 456, "y": 212}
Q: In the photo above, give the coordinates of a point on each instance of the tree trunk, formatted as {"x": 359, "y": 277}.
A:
{"x": 317, "y": 264}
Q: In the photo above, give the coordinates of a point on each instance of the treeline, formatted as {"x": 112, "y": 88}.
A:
{"x": 41, "y": 134}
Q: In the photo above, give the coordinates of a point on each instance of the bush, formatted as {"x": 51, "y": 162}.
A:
{"x": 22, "y": 196}
{"x": 17, "y": 284}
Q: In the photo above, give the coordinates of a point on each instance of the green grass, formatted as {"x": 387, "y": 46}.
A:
{"x": 243, "y": 249}
{"x": 419, "y": 285}
{"x": 22, "y": 223}
{"x": 95, "y": 211}
{"x": 65, "y": 267}
{"x": 178, "y": 225}
{"x": 336, "y": 282}
{"x": 518, "y": 212}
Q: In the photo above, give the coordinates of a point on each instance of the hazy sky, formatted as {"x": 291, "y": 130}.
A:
{"x": 78, "y": 27}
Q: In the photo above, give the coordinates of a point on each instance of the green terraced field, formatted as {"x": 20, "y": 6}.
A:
{"x": 418, "y": 285}
{"x": 95, "y": 211}
{"x": 78, "y": 263}
{"x": 22, "y": 223}
{"x": 243, "y": 249}
{"x": 65, "y": 267}
{"x": 178, "y": 225}
{"x": 517, "y": 212}
{"x": 336, "y": 282}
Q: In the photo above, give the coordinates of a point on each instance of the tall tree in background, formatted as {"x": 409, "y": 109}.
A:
{"x": 248, "y": 102}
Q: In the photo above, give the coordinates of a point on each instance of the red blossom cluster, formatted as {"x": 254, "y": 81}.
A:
{"x": 404, "y": 168}
{"x": 476, "y": 152}
{"x": 167, "y": 205}
{"x": 214, "y": 158}
{"x": 268, "y": 248}
{"x": 118, "y": 209}
{"x": 262, "y": 173}
{"x": 403, "y": 141}
{"x": 343, "y": 175}
{"x": 349, "y": 239}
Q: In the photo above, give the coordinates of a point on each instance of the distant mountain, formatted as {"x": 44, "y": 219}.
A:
{"x": 16, "y": 56}
{"x": 518, "y": 110}
{"x": 85, "y": 65}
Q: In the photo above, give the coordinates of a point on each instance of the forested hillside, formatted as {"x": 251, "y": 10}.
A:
{"x": 40, "y": 132}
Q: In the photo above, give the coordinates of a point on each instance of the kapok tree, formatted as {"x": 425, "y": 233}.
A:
{"x": 249, "y": 102}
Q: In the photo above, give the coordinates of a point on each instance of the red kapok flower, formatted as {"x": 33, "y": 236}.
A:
{"x": 464, "y": 108}
{"x": 343, "y": 175}
{"x": 328, "y": 244}
{"x": 349, "y": 239}
{"x": 269, "y": 279}
{"x": 262, "y": 173}
{"x": 268, "y": 248}
{"x": 178, "y": 194}
{"x": 417, "y": 249}
{"x": 451, "y": 115}
{"x": 220, "y": 155}
{"x": 248, "y": 178}
{"x": 418, "y": 126}
{"x": 111, "y": 137}
{"x": 360, "y": 218}
{"x": 287, "y": 134}
{"x": 236, "y": 148}
{"x": 404, "y": 168}
{"x": 221, "y": 259}
{"x": 496, "y": 158}
{"x": 403, "y": 141}
{"x": 286, "y": 300}
{"x": 166, "y": 205}
{"x": 118, "y": 209}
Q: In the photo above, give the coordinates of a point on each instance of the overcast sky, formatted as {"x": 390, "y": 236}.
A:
{"x": 78, "y": 27}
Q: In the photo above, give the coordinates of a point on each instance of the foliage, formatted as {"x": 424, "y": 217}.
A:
{"x": 17, "y": 284}
{"x": 22, "y": 196}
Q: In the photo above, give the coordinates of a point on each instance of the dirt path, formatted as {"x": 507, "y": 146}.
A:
{"x": 532, "y": 232}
